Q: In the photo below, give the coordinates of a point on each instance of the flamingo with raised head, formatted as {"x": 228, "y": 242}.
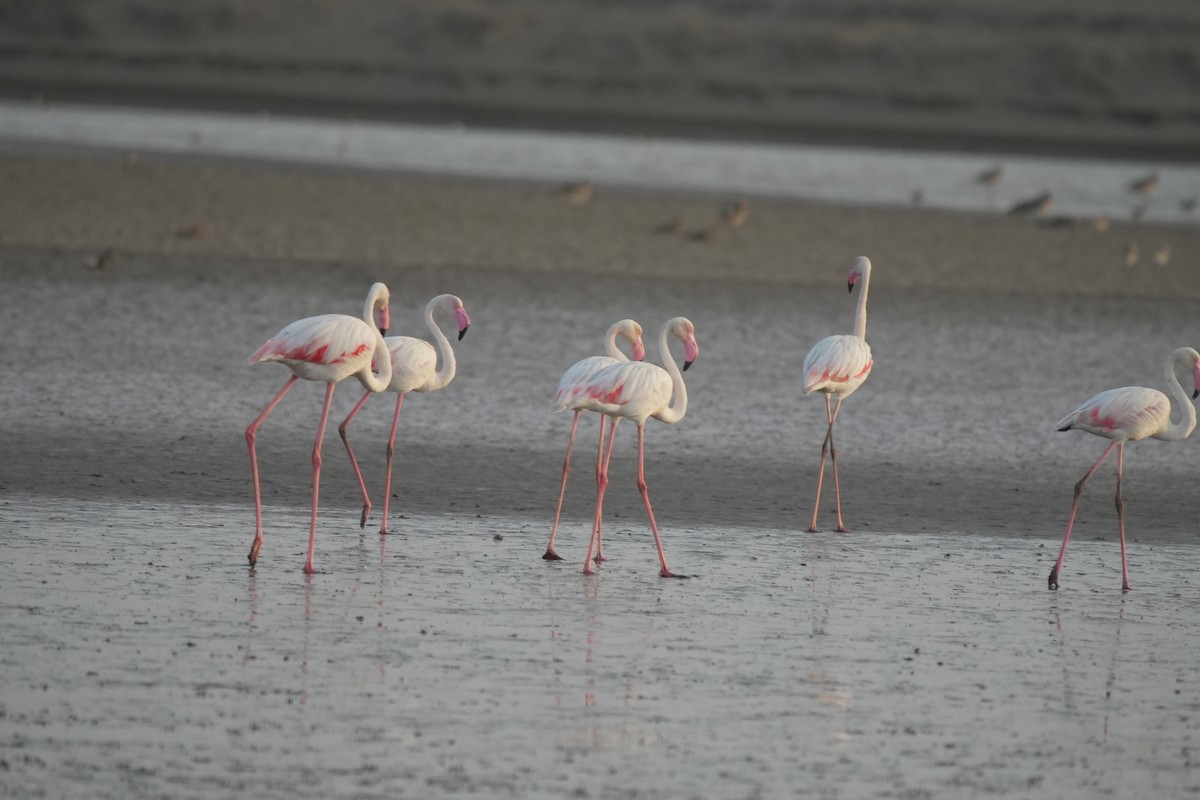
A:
{"x": 326, "y": 348}
{"x": 570, "y": 385}
{"x": 837, "y": 366}
{"x": 1130, "y": 414}
{"x": 638, "y": 390}
{"x": 414, "y": 369}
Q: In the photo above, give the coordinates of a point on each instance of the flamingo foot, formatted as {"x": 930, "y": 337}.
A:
{"x": 1053, "y": 582}
{"x": 842, "y": 529}
{"x": 813, "y": 529}
{"x": 599, "y": 558}
{"x": 254, "y": 548}
{"x": 666, "y": 573}
{"x": 587, "y": 570}
{"x": 1125, "y": 587}
{"x": 550, "y": 555}
{"x": 362, "y": 523}
{"x": 309, "y": 569}
{"x": 383, "y": 531}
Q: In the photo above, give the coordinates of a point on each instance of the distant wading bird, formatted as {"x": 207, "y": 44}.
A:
{"x": 1129, "y": 415}
{"x": 326, "y": 348}
{"x": 572, "y": 382}
{"x": 413, "y": 369}
{"x": 637, "y": 390}
{"x": 838, "y": 365}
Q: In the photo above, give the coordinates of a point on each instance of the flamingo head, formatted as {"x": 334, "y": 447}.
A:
{"x": 1195, "y": 373}
{"x": 453, "y": 304}
{"x": 683, "y": 330}
{"x": 861, "y": 269}
{"x": 631, "y": 332}
{"x": 378, "y": 301}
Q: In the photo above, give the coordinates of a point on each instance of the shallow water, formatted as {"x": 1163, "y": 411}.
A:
{"x": 838, "y": 174}
{"x": 144, "y": 659}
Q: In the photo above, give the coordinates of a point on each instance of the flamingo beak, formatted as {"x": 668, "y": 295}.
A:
{"x": 385, "y": 320}
{"x": 639, "y": 351}
{"x": 691, "y": 351}
{"x": 464, "y": 322}
{"x": 1196, "y": 380}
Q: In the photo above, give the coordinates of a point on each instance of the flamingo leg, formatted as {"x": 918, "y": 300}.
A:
{"x": 645, "y": 491}
{"x": 316, "y": 483}
{"x": 812, "y": 528}
{"x": 251, "y": 437}
{"x": 601, "y": 485}
{"x": 1121, "y": 516}
{"x": 362, "y": 523}
{"x": 550, "y": 555}
{"x": 600, "y": 523}
{"x": 1053, "y": 582}
{"x": 391, "y": 449}
{"x": 837, "y": 490}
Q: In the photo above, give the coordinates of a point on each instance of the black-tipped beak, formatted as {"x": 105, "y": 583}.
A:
{"x": 849, "y": 286}
{"x": 1195, "y": 393}
{"x": 383, "y": 331}
{"x": 686, "y": 364}
{"x": 463, "y": 332}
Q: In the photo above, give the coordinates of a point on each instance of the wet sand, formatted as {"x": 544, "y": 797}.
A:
{"x": 781, "y": 668}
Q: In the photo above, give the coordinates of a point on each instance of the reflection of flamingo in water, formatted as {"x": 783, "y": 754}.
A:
{"x": 838, "y": 365}
{"x": 412, "y": 369}
{"x": 1125, "y": 415}
{"x": 570, "y": 385}
{"x": 637, "y": 390}
{"x": 327, "y": 348}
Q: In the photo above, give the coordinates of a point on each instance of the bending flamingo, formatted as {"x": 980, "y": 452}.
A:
{"x": 569, "y": 386}
{"x": 413, "y": 363}
{"x": 327, "y": 348}
{"x": 1129, "y": 415}
{"x": 838, "y": 365}
{"x": 637, "y": 390}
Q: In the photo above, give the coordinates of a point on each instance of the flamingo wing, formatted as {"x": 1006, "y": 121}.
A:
{"x": 837, "y": 364}
{"x": 414, "y": 362}
{"x": 328, "y": 340}
{"x": 1129, "y": 413}
{"x": 576, "y": 378}
{"x": 631, "y": 389}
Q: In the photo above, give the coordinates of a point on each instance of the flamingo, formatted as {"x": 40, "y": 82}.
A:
{"x": 637, "y": 390}
{"x": 569, "y": 386}
{"x": 1130, "y": 414}
{"x": 413, "y": 363}
{"x": 327, "y": 348}
{"x": 838, "y": 365}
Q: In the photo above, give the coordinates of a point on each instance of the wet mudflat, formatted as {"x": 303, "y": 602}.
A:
{"x": 142, "y": 660}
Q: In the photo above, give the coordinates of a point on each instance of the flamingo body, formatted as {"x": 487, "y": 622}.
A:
{"x": 835, "y": 367}
{"x": 638, "y": 391}
{"x": 413, "y": 368}
{"x": 1130, "y": 414}
{"x": 328, "y": 348}
{"x": 572, "y": 382}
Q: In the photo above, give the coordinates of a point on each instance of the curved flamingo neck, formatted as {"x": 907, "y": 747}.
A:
{"x": 381, "y": 359}
{"x": 1187, "y": 423}
{"x": 610, "y": 345}
{"x": 449, "y": 366}
{"x": 860, "y": 312}
{"x": 675, "y": 410}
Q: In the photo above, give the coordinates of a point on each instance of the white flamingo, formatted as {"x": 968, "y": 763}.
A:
{"x": 327, "y": 348}
{"x": 838, "y": 365}
{"x": 1125, "y": 415}
{"x": 570, "y": 384}
{"x": 414, "y": 369}
{"x": 638, "y": 390}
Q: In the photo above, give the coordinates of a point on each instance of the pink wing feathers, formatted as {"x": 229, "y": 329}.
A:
{"x": 576, "y": 379}
{"x": 414, "y": 362}
{"x": 639, "y": 388}
{"x": 327, "y": 347}
{"x": 1130, "y": 413}
{"x": 837, "y": 364}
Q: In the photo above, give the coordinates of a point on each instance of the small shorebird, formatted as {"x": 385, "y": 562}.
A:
{"x": 576, "y": 193}
{"x": 990, "y": 176}
{"x": 735, "y": 213}
{"x": 1035, "y": 206}
{"x": 1145, "y": 185}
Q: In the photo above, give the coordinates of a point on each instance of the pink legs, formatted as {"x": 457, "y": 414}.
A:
{"x": 1075, "y": 508}
{"x": 827, "y": 446}
{"x": 641, "y": 482}
{"x": 362, "y": 523}
{"x": 251, "y": 436}
{"x": 602, "y": 482}
{"x": 316, "y": 483}
{"x": 601, "y": 485}
{"x": 550, "y": 555}
{"x": 391, "y": 448}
